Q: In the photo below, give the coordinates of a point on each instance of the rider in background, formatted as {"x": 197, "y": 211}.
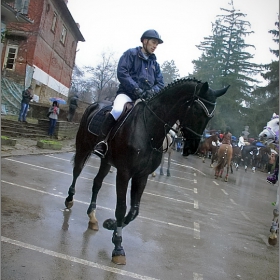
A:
{"x": 241, "y": 142}
{"x": 227, "y": 137}
{"x": 139, "y": 75}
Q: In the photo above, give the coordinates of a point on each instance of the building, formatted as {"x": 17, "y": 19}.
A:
{"x": 39, "y": 49}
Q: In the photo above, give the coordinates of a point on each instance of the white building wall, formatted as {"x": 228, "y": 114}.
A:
{"x": 52, "y": 83}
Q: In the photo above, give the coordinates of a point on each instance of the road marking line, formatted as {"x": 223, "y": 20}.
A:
{"x": 233, "y": 201}
{"x": 195, "y": 190}
{"x": 244, "y": 215}
{"x": 75, "y": 260}
{"x": 197, "y": 276}
{"x": 70, "y": 174}
{"x": 224, "y": 191}
{"x": 196, "y": 230}
{"x": 170, "y": 198}
{"x": 194, "y": 174}
{"x": 217, "y": 184}
{"x": 195, "y": 204}
{"x": 195, "y": 181}
{"x": 98, "y": 206}
{"x": 103, "y": 181}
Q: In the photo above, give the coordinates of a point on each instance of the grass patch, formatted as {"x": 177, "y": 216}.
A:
{"x": 49, "y": 141}
{"x": 5, "y": 137}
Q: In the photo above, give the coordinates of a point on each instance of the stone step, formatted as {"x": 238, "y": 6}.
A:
{"x": 23, "y": 129}
{"x": 16, "y": 134}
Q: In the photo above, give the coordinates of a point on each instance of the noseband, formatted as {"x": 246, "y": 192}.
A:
{"x": 200, "y": 101}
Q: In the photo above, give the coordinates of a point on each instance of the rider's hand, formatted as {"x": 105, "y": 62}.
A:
{"x": 138, "y": 92}
{"x": 149, "y": 93}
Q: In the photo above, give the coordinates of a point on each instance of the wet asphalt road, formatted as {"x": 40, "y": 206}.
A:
{"x": 190, "y": 226}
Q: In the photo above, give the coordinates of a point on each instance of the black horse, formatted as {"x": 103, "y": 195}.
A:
{"x": 135, "y": 147}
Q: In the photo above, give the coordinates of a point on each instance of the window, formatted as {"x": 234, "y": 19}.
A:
{"x": 10, "y": 57}
{"x": 54, "y": 22}
{"x": 63, "y": 34}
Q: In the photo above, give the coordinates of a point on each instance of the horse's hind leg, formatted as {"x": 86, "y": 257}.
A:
{"x": 79, "y": 161}
{"x": 97, "y": 183}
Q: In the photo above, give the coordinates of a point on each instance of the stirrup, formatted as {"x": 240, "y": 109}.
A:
{"x": 103, "y": 149}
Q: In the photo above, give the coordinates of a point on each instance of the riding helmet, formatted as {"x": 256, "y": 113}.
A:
{"x": 151, "y": 34}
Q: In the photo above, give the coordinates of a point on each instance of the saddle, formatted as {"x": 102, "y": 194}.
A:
{"x": 103, "y": 108}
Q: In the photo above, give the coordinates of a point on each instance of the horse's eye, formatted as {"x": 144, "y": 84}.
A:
{"x": 277, "y": 123}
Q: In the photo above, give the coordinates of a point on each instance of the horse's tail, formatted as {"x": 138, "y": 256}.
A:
{"x": 222, "y": 159}
{"x": 82, "y": 131}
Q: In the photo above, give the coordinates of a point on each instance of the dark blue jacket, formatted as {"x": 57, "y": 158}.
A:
{"x": 134, "y": 71}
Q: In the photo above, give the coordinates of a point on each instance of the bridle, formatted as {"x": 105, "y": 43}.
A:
{"x": 195, "y": 98}
{"x": 200, "y": 101}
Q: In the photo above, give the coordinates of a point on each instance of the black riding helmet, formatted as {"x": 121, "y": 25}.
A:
{"x": 151, "y": 34}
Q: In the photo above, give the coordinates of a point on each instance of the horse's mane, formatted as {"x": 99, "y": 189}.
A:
{"x": 175, "y": 83}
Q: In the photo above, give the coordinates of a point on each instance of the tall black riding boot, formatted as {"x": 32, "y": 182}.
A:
{"x": 101, "y": 148}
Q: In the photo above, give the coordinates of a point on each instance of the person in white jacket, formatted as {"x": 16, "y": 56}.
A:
{"x": 241, "y": 142}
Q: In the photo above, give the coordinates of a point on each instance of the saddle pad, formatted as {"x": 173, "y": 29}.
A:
{"x": 97, "y": 120}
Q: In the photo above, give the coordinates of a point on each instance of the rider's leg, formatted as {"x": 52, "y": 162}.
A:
{"x": 101, "y": 148}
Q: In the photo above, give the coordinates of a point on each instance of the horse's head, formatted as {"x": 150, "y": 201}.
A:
{"x": 271, "y": 131}
{"x": 199, "y": 115}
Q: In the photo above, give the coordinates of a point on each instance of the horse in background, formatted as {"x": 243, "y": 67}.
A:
{"x": 207, "y": 146}
{"x": 167, "y": 148}
{"x": 270, "y": 134}
{"x": 224, "y": 160}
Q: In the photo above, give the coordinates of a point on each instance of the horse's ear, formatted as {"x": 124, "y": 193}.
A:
{"x": 221, "y": 92}
{"x": 204, "y": 87}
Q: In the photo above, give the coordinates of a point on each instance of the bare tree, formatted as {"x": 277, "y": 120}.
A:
{"x": 103, "y": 76}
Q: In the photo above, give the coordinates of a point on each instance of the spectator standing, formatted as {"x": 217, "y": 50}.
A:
{"x": 73, "y": 105}
{"x": 271, "y": 162}
{"x": 26, "y": 97}
{"x": 54, "y": 112}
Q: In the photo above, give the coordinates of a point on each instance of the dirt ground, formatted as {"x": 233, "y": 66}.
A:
{"x": 26, "y": 146}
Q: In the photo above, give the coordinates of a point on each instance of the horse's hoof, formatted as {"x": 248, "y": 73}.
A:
{"x": 272, "y": 239}
{"x": 93, "y": 226}
{"x": 121, "y": 260}
{"x": 226, "y": 179}
{"x": 69, "y": 204}
{"x": 216, "y": 177}
{"x": 110, "y": 224}
{"x": 168, "y": 174}
{"x": 211, "y": 165}
{"x": 154, "y": 174}
{"x": 161, "y": 173}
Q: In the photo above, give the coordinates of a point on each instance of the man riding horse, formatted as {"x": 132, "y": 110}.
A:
{"x": 140, "y": 76}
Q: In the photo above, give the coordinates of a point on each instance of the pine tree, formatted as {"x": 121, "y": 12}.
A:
{"x": 225, "y": 61}
{"x": 267, "y": 98}
{"x": 169, "y": 72}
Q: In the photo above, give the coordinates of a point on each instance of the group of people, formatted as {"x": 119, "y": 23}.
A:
{"x": 53, "y": 111}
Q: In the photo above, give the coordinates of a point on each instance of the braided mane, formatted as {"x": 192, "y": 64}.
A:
{"x": 173, "y": 84}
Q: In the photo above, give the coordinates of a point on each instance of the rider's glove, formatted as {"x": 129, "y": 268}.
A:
{"x": 149, "y": 94}
{"x": 138, "y": 92}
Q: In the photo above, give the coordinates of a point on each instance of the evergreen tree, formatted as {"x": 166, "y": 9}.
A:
{"x": 169, "y": 72}
{"x": 267, "y": 98}
{"x": 225, "y": 61}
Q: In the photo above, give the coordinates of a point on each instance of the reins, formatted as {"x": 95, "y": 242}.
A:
{"x": 167, "y": 127}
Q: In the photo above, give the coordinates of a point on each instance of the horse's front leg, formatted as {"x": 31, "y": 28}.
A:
{"x": 97, "y": 183}
{"x": 161, "y": 165}
{"x": 118, "y": 254}
{"x": 168, "y": 164}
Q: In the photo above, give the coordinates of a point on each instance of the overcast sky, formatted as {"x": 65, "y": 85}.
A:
{"x": 113, "y": 26}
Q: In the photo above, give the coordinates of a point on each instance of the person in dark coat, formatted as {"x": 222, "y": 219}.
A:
{"x": 73, "y": 105}
{"x": 139, "y": 75}
{"x": 26, "y": 97}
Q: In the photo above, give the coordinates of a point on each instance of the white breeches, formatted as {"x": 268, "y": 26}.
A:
{"x": 119, "y": 102}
